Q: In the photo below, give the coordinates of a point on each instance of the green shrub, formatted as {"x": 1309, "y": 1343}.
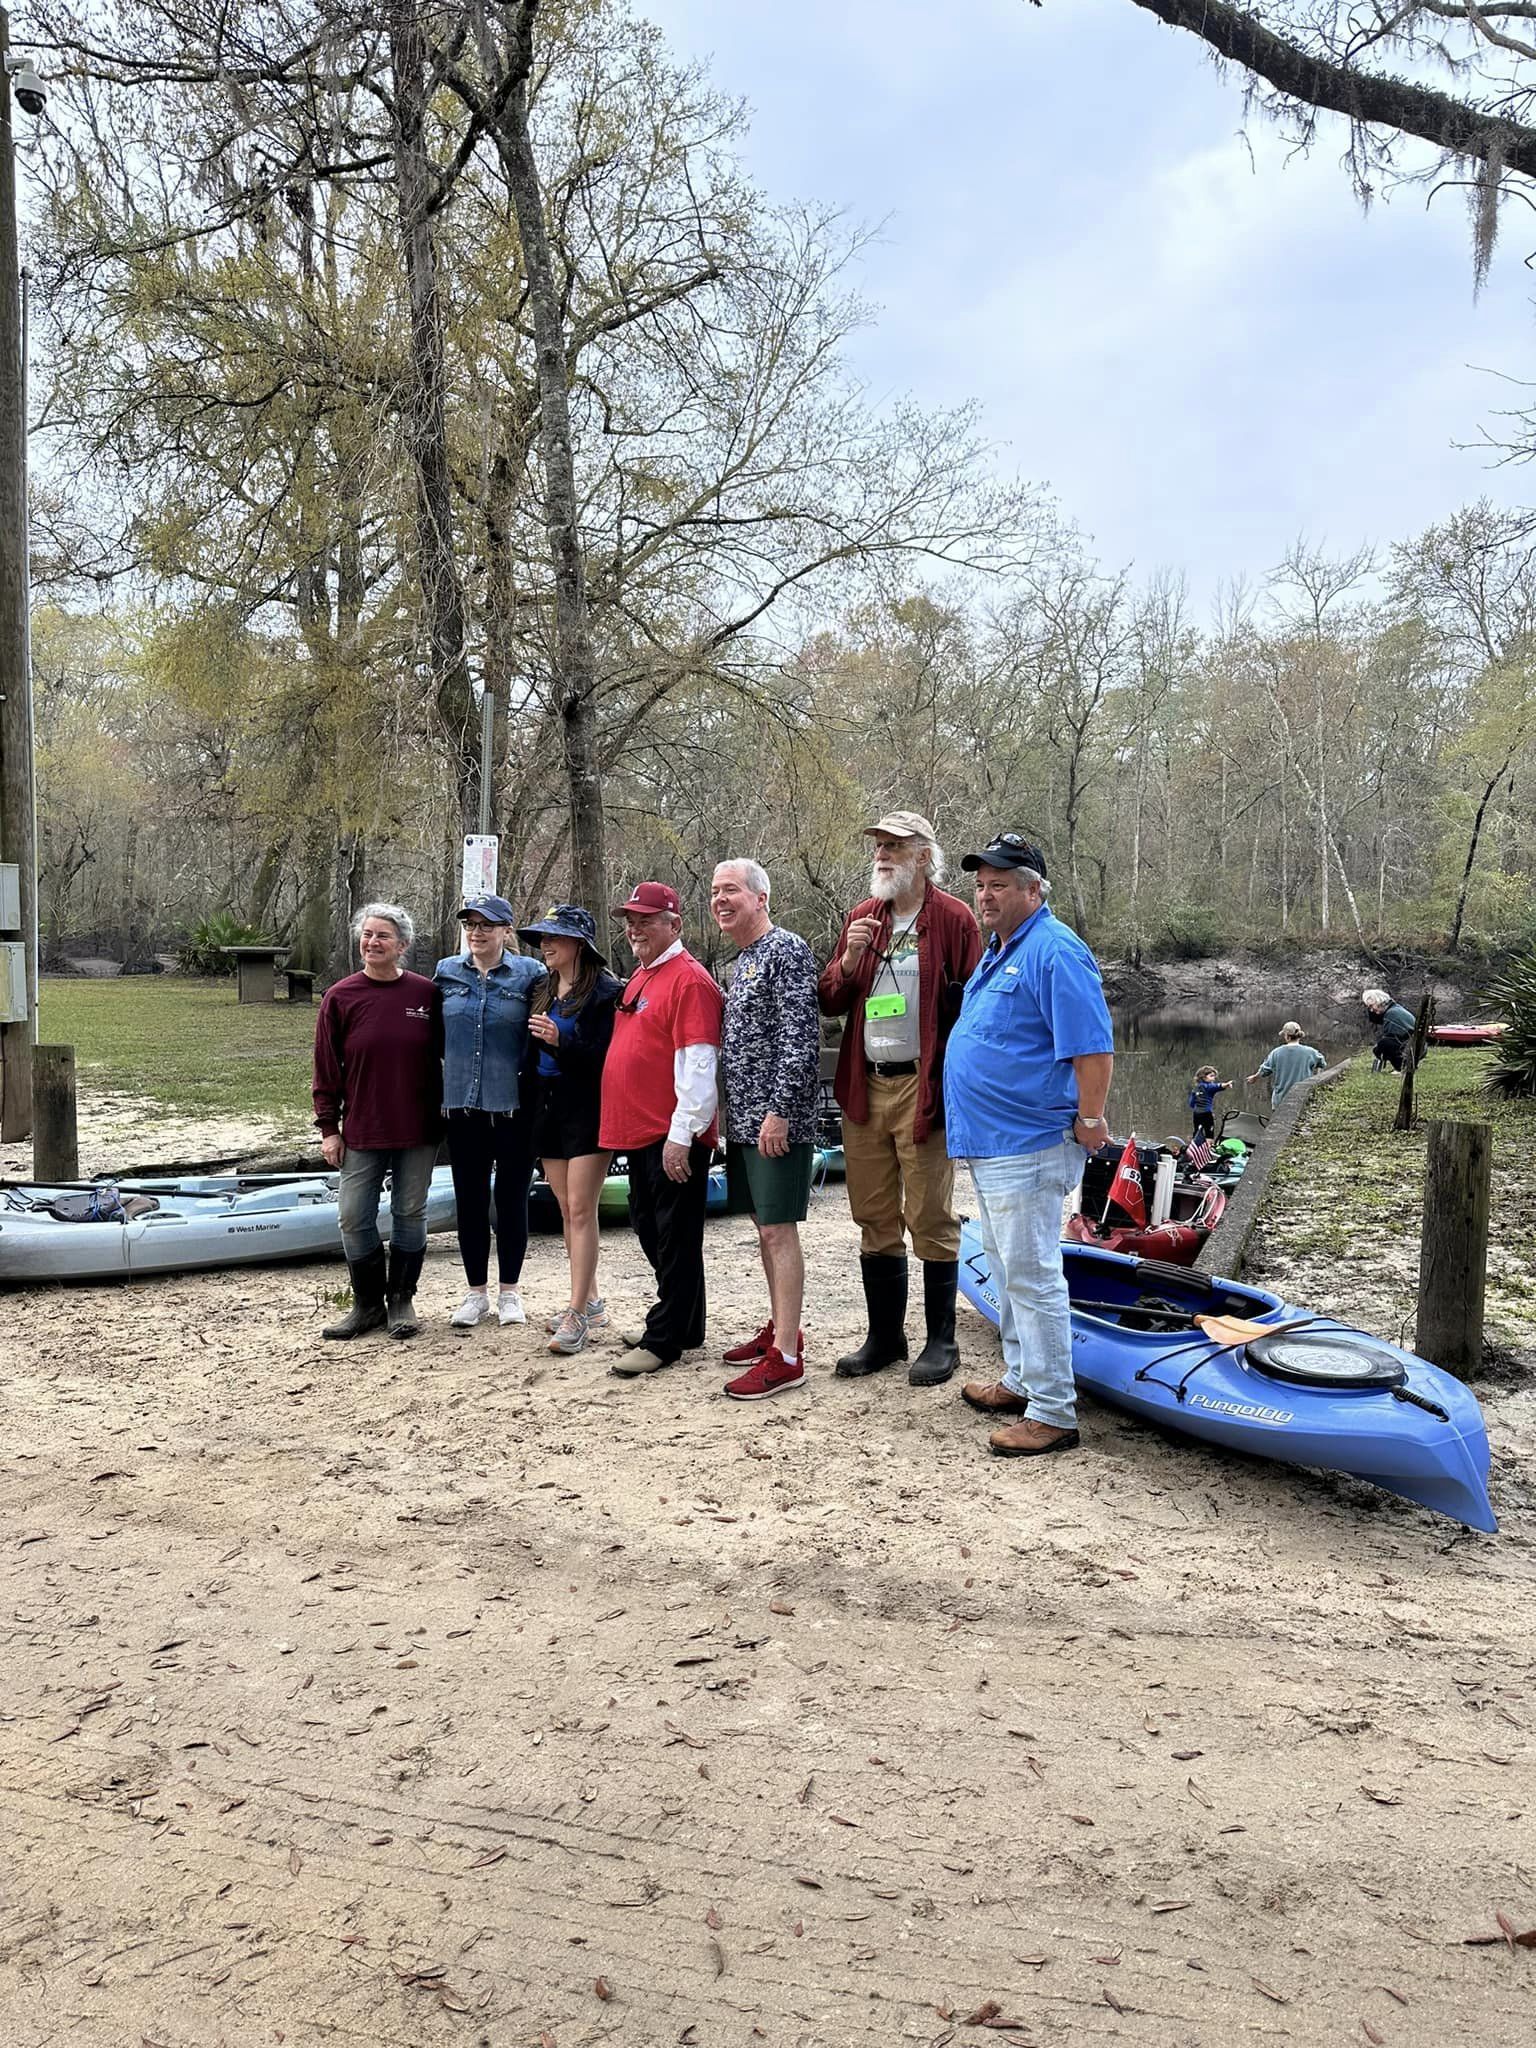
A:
{"x": 1513, "y": 994}
{"x": 202, "y": 950}
{"x": 1188, "y": 931}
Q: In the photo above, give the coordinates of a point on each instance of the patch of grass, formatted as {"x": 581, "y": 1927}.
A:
{"x": 185, "y": 1043}
{"x": 1344, "y": 1210}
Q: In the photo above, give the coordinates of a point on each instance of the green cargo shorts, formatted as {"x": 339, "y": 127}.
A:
{"x": 774, "y": 1190}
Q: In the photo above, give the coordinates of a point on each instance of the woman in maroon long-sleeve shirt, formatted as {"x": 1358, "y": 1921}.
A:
{"x": 377, "y": 1093}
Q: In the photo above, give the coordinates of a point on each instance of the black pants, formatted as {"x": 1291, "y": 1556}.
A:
{"x": 1391, "y": 1050}
{"x": 668, "y": 1216}
{"x": 1204, "y": 1122}
{"x": 481, "y": 1146}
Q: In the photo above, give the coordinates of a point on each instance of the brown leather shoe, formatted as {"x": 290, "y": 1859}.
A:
{"x": 991, "y": 1397}
{"x": 1032, "y": 1440}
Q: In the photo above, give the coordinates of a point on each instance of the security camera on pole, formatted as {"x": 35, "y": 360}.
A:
{"x": 18, "y": 852}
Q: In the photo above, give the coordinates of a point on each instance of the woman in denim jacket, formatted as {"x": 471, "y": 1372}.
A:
{"x": 485, "y": 1003}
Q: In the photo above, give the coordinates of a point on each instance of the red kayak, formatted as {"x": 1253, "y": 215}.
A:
{"x": 1198, "y": 1206}
{"x": 1465, "y": 1034}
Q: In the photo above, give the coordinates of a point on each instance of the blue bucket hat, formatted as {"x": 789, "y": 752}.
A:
{"x": 566, "y": 921}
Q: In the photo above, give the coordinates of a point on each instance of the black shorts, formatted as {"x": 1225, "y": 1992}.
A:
{"x": 565, "y": 1121}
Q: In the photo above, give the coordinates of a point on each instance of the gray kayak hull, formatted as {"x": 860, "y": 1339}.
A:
{"x": 203, "y": 1221}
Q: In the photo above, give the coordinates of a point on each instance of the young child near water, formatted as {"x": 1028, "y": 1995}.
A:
{"x": 1202, "y": 1100}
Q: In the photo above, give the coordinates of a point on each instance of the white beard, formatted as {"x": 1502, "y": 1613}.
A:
{"x": 885, "y": 888}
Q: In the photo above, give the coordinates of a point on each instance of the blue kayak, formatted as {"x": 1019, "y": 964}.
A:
{"x": 1314, "y": 1392}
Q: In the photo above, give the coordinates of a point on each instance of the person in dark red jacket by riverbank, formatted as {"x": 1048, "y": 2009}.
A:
{"x": 902, "y": 959}
{"x": 378, "y": 1095}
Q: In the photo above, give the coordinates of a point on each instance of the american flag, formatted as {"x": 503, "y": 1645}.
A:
{"x": 1199, "y": 1153}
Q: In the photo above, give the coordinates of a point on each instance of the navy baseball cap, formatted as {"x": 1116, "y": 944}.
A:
{"x": 1007, "y": 850}
{"x": 494, "y": 909}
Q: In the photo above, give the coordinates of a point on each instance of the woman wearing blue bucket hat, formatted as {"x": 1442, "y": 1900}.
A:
{"x": 568, "y": 1032}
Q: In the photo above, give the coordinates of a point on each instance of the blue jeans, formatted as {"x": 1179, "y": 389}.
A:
{"x": 1020, "y": 1200}
{"x": 362, "y": 1183}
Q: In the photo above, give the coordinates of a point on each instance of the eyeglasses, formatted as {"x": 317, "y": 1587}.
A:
{"x": 1013, "y": 839}
{"x": 631, "y": 1003}
{"x": 478, "y": 924}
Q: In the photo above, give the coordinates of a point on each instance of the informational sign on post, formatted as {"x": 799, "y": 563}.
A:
{"x": 481, "y": 860}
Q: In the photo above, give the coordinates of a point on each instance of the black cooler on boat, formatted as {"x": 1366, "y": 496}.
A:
{"x": 1098, "y": 1173}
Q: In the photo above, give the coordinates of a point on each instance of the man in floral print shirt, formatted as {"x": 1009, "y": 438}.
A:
{"x": 770, "y": 1062}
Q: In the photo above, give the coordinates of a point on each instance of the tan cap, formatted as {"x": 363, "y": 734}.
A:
{"x": 904, "y": 825}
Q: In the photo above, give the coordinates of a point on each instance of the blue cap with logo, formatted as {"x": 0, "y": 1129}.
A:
{"x": 494, "y": 909}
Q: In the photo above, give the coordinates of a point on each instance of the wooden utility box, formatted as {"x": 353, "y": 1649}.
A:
{"x": 13, "y": 982}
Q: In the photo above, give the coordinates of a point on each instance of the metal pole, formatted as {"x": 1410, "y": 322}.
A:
{"x": 17, "y": 842}
{"x": 26, "y": 585}
{"x": 487, "y": 740}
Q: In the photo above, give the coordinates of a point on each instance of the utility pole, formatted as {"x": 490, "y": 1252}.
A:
{"x": 17, "y": 843}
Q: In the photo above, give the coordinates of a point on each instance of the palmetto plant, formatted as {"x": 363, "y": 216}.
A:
{"x": 202, "y": 952}
{"x": 1513, "y": 995}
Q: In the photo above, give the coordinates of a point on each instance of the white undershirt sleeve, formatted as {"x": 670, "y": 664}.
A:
{"x": 693, "y": 1074}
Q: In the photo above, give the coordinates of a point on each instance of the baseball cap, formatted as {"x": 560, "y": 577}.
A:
{"x": 904, "y": 825}
{"x": 647, "y": 898}
{"x": 1007, "y": 850}
{"x": 494, "y": 909}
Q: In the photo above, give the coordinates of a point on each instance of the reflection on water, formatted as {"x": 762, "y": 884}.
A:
{"x": 1157, "y": 1052}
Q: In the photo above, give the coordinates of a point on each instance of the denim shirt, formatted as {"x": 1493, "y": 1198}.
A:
{"x": 485, "y": 1030}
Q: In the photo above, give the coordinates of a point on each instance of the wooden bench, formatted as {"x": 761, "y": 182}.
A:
{"x": 301, "y": 984}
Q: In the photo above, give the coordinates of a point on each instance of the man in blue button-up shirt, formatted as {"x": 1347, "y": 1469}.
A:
{"x": 1026, "y": 1075}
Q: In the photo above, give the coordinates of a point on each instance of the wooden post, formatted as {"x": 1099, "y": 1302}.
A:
{"x": 1453, "y": 1263}
{"x": 55, "y": 1141}
{"x": 1412, "y": 1055}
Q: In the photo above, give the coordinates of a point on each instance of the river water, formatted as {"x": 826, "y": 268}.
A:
{"x": 1157, "y": 1052}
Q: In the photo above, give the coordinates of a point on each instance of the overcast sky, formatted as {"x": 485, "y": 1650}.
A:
{"x": 1199, "y": 342}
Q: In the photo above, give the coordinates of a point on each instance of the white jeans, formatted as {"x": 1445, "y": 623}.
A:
{"x": 1020, "y": 1198}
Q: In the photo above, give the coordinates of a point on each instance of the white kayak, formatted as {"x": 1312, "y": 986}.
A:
{"x": 186, "y": 1222}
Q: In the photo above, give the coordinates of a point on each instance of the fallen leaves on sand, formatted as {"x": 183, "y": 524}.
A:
{"x": 1269, "y": 1991}
{"x": 1382, "y": 1798}
{"x": 712, "y": 1919}
{"x": 1371, "y": 2034}
{"x": 295, "y": 1861}
{"x": 1197, "y": 1792}
{"x": 1506, "y": 1934}
{"x": 780, "y": 1607}
{"x": 491, "y": 1856}
{"x": 602, "y": 1988}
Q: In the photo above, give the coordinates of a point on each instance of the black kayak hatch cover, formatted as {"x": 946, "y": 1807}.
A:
{"x": 1327, "y": 1359}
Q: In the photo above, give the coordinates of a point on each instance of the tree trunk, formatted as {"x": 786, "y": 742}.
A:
{"x": 437, "y": 570}
{"x": 575, "y": 663}
{"x": 1453, "y": 940}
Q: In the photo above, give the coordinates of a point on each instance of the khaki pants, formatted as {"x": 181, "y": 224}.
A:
{"x": 891, "y": 1181}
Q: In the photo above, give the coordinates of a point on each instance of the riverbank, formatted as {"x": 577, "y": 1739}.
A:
{"x": 451, "y": 1692}
{"x": 1320, "y": 988}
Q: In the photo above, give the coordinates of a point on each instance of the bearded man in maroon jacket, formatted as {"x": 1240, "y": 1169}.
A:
{"x": 901, "y": 962}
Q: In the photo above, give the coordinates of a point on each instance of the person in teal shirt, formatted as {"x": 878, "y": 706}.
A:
{"x": 1290, "y": 1063}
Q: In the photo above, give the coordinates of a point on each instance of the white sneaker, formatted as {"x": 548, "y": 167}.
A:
{"x": 509, "y": 1307}
{"x": 474, "y": 1308}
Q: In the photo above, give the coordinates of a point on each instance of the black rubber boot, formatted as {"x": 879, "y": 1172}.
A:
{"x": 367, "y": 1310}
{"x": 404, "y": 1272}
{"x": 885, "y": 1296}
{"x": 938, "y": 1358}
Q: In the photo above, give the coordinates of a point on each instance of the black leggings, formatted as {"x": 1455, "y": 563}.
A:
{"x": 478, "y": 1145}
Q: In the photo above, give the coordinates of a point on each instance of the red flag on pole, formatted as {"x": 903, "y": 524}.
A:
{"x": 1126, "y": 1188}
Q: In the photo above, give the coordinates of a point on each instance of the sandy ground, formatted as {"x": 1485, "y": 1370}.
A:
{"x": 454, "y": 1693}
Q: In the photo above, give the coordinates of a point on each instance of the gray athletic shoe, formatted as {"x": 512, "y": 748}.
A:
{"x": 570, "y": 1333}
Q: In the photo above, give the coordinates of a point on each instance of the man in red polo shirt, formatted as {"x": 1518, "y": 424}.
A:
{"x": 659, "y": 1108}
{"x": 897, "y": 973}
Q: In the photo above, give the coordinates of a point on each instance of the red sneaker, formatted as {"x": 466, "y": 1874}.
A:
{"x": 751, "y": 1349}
{"x": 768, "y": 1377}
